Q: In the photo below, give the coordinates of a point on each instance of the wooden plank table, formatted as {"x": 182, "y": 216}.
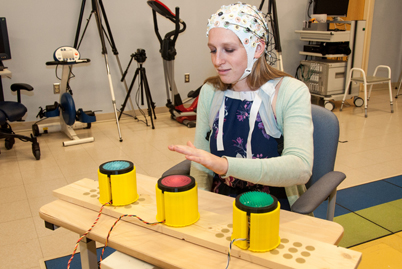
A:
{"x": 306, "y": 242}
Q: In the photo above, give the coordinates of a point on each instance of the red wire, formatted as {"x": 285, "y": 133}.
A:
{"x": 85, "y": 234}
{"x": 110, "y": 231}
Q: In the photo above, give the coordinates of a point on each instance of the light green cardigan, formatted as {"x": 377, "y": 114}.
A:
{"x": 293, "y": 119}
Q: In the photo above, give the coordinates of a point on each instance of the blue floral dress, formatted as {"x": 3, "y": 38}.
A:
{"x": 234, "y": 135}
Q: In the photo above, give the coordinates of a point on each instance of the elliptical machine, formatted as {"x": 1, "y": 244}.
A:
{"x": 180, "y": 113}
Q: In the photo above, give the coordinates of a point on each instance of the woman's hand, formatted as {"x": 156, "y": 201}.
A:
{"x": 212, "y": 162}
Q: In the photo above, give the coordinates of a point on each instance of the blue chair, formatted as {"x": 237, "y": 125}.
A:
{"x": 11, "y": 111}
{"x": 324, "y": 180}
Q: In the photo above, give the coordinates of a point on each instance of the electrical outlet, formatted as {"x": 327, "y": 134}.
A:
{"x": 56, "y": 88}
{"x": 186, "y": 77}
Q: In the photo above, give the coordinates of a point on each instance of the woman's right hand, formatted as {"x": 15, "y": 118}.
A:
{"x": 212, "y": 162}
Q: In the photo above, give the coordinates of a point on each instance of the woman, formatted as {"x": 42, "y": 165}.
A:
{"x": 254, "y": 129}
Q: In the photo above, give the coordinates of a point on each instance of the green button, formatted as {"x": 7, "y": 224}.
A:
{"x": 116, "y": 165}
{"x": 256, "y": 199}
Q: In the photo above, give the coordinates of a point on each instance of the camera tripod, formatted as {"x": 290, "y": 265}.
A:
{"x": 140, "y": 57}
{"x": 99, "y": 10}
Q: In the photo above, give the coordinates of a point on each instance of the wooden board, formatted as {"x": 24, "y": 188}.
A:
{"x": 213, "y": 230}
{"x": 155, "y": 248}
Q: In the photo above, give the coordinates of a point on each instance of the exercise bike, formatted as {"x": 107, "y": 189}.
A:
{"x": 179, "y": 112}
{"x": 69, "y": 118}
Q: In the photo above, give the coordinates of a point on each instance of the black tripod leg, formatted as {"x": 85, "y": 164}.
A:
{"x": 123, "y": 106}
{"x": 77, "y": 34}
{"x": 148, "y": 93}
{"x": 142, "y": 86}
{"x": 112, "y": 44}
{"x": 148, "y": 96}
{"x": 95, "y": 9}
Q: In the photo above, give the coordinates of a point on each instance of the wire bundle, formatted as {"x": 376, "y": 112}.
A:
{"x": 110, "y": 231}
{"x": 270, "y": 49}
{"x": 230, "y": 248}
{"x": 87, "y": 232}
{"x": 304, "y": 73}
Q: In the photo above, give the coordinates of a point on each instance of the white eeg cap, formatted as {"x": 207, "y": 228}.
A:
{"x": 247, "y": 22}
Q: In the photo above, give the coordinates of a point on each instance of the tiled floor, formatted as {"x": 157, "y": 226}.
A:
{"x": 369, "y": 211}
{"x": 371, "y": 153}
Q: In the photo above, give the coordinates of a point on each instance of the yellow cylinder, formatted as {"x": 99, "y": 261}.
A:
{"x": 117, "y": 183}
{"x": 240, "y": 226}
{"x": 258, "y": 222}
{"x": 160, "y": 205}
{"x": 264, "y": 230}
{"x": 177, "y": 200}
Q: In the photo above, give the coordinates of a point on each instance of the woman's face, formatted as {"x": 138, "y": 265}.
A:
{"x": 228, "y": 56}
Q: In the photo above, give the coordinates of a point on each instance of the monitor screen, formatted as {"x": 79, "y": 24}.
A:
{"x": 5, "y": 53}
{"x": 333, "y": 8}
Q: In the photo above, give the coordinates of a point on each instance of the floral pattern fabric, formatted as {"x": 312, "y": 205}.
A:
{"x": 235, "y": 133}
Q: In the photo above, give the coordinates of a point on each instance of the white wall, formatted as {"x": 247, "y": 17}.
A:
{"x": 37, "y": 28}
{"x": 386, "y": 37}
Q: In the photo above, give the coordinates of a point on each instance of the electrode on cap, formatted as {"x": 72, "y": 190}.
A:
{"x": 117, "y": 183}
{"x": 256, "y": 218}
{"x": 177, "y": 200}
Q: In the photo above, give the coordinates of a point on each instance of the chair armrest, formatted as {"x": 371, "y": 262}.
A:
{"x": 383, "y": 67}
{"x": 182, "y": 168}
{"x": 17, "y": 87}
{"x": 21, "y": 86}
{"x": 318, "y": 192}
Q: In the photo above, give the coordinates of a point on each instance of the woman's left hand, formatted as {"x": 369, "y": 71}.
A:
{"x": 212, "y": 162}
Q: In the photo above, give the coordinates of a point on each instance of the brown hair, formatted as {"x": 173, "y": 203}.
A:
{"x": 262, "y": 72}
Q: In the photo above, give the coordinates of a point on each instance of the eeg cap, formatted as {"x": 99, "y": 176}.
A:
{"x": 247, "y": 22}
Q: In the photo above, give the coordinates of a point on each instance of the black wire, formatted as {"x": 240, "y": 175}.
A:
{"x": 301, "y": 70}
{"x": 72, "y": 75}
{"x": 308, "y": 9}
{"x": 230, "y": 249}
{"x": 55, "y": 70}
{"x": 271, "y": 55}
{"x": 297, "y": 72}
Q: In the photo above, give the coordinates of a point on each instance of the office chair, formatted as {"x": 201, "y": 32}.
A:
{"x": 11, "y": 111}
{"x": 369, "y": 80}
{"x": 324, "y": 180}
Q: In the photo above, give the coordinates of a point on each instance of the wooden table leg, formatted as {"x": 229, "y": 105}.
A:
{"x": 88, "y": 254}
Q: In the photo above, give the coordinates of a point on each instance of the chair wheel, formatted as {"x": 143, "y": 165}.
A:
{"x": 35, "y": 130}
{"x": 358, "y": 101}
{"x": 36, "y": 150}
{"x": 37, "y": 154}
{"x": 9, "y": 143}
{"x": 329, "y": 105}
